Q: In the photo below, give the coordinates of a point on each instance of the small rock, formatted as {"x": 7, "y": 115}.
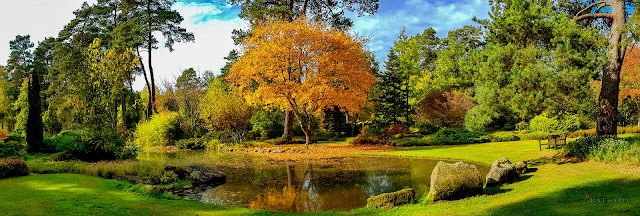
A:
{"x": 206, "y": 175}
{"x": 189, "y": 186}
{"x": 392, "y": 199}
{"x": 455, "y": 181}
{"x": 182, "y": 173}
{"x": 521, "y": 167}
{"x": 502, "y": 172}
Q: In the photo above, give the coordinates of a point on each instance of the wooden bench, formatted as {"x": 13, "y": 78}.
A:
{"x": 554, "y": 141}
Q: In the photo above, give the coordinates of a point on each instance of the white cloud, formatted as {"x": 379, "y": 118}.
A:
{"x": 42, "y": 19}
{"x": 37, "y": 18}
{"x": 213, "y": 43}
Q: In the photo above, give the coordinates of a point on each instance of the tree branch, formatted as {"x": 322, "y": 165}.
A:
{"x": 590, "y": 6}
{"x": 594, "y": 16}
{"x": 602, "y": 6}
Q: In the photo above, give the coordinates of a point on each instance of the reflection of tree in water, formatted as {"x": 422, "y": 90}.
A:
{"x": 296, "y": 196}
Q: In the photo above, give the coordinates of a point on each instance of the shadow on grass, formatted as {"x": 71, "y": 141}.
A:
{"x": 558, "y": 158}
{"x": 612, "y": 197}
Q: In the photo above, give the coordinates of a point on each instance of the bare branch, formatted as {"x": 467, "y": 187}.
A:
{"x": 602, "y": 6}
{"x": 594, "y": 16}
{"x": 590, "y": 6}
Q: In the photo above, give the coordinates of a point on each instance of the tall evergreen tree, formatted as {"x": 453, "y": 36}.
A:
{"x": 392, "y": 105}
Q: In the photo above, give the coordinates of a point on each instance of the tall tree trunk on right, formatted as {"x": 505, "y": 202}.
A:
{"x": 607, "y": 122}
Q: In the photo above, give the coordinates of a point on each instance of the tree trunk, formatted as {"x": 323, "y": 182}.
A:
{"x": 288, "y": 126}
{"x": 146, "y": 80}
{"x": 124, "y": 113}
{"x": 151, "y": 106}
{"x": 607, "y": 123}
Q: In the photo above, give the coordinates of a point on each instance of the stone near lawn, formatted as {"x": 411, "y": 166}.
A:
{"x": 455, "y": 181}
{"x": 521, "y": 167}
{"x": 392, "y": 199}
{"x": 502, "y": 172}
{"x": 205, "y": 175}
{"x": 181, "y": 172}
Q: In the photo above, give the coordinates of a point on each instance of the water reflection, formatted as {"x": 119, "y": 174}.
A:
{"x": 316, "y": 185}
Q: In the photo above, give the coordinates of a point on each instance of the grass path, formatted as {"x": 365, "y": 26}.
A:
{"x": 587, "y": 188}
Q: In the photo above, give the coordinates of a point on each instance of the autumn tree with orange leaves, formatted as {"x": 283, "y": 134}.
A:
{"x": 304, "y": 67}
{"x": 630, "y": 75}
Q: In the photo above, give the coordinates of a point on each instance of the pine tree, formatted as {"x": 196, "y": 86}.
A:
{"x": 393, "y": 96}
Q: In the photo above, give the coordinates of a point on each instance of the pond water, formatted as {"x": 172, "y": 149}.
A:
{"x": 314, "y": 185}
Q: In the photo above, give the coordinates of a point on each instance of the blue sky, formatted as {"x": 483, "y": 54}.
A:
{"x": 212, "y": 21}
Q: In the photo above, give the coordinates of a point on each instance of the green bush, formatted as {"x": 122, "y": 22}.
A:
{"x": 582, "y": 147}
{"x": 267, "y": 124}
{"x": 17, "y": 137}
{"x": 160, "y": 131}
{"x": 544, "y": 123}
{"x": 553, "y": 125}
{"x": 11, "y": 148}
{"x": 13, "y": 168}
{"x": 327, "y": 136}
{"x": 414, "y": 141}
{"x": 535, "y": 136}
{"x": 454, "y": 136}
{"x": 605, "y": 148}
{"x": 193, "y": 143}
{"x": 92, "y": 145}
{"x": 66, "y": 141}
{"x": 504, "y": 136}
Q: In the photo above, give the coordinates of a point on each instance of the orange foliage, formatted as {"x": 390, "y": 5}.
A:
{"x": 630, "y": 74}
{"x": 4, "y": 134}
{"x": 303, "y": 66}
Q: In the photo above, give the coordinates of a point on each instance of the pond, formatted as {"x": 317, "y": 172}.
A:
{"x": 313, "y": 185}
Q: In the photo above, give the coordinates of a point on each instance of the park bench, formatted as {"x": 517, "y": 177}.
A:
{"x": 554, "y": 141}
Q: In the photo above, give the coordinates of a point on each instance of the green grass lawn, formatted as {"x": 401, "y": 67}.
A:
{"x": 587, "y": 188}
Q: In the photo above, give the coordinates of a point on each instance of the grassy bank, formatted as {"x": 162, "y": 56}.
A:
{"x": 558, "y": 187}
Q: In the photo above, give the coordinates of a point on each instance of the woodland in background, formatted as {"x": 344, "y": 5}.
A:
{"x": 534, "y": 66}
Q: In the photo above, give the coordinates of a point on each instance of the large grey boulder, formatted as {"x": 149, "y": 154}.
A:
{"x": 392, "y": 199}
{"x": 455, "y": 181}
{"x": 502, "y": 172}
{"x": 205, "y": 175}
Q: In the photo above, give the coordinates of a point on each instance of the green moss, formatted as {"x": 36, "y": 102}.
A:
{"x": 392, "y": 199}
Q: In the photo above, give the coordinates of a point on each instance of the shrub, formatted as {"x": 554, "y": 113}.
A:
{"x": 193, "y": 143}
{"x": 11, "y": 148}
{"x": 18, "y": 137}
{"x": 13, "y": 168}
{"x": 606, "y": 148}
{"x": 583, "y": 133}
{"x": 397, "y": 129}
{"x": 61, "y": 156}
{"x": 66, "y": 141}
{"x": 267, "y": 124}
{"x": 364, "y": 140}
{"x": 428, "y": 129}
{"x": 535, "y": 136}
{"x": 160, "y": 131}
{"x": 582, "y": 147}
{"x": 629, "y": 130}
{"x": 544, "y": 123}
{"x": 327, "y": 136}
{"x": 504, "y": 136}
{"x": 414, "y": 141}
{"x": 453, "y": 136}
{"x": 92, "y": 145}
